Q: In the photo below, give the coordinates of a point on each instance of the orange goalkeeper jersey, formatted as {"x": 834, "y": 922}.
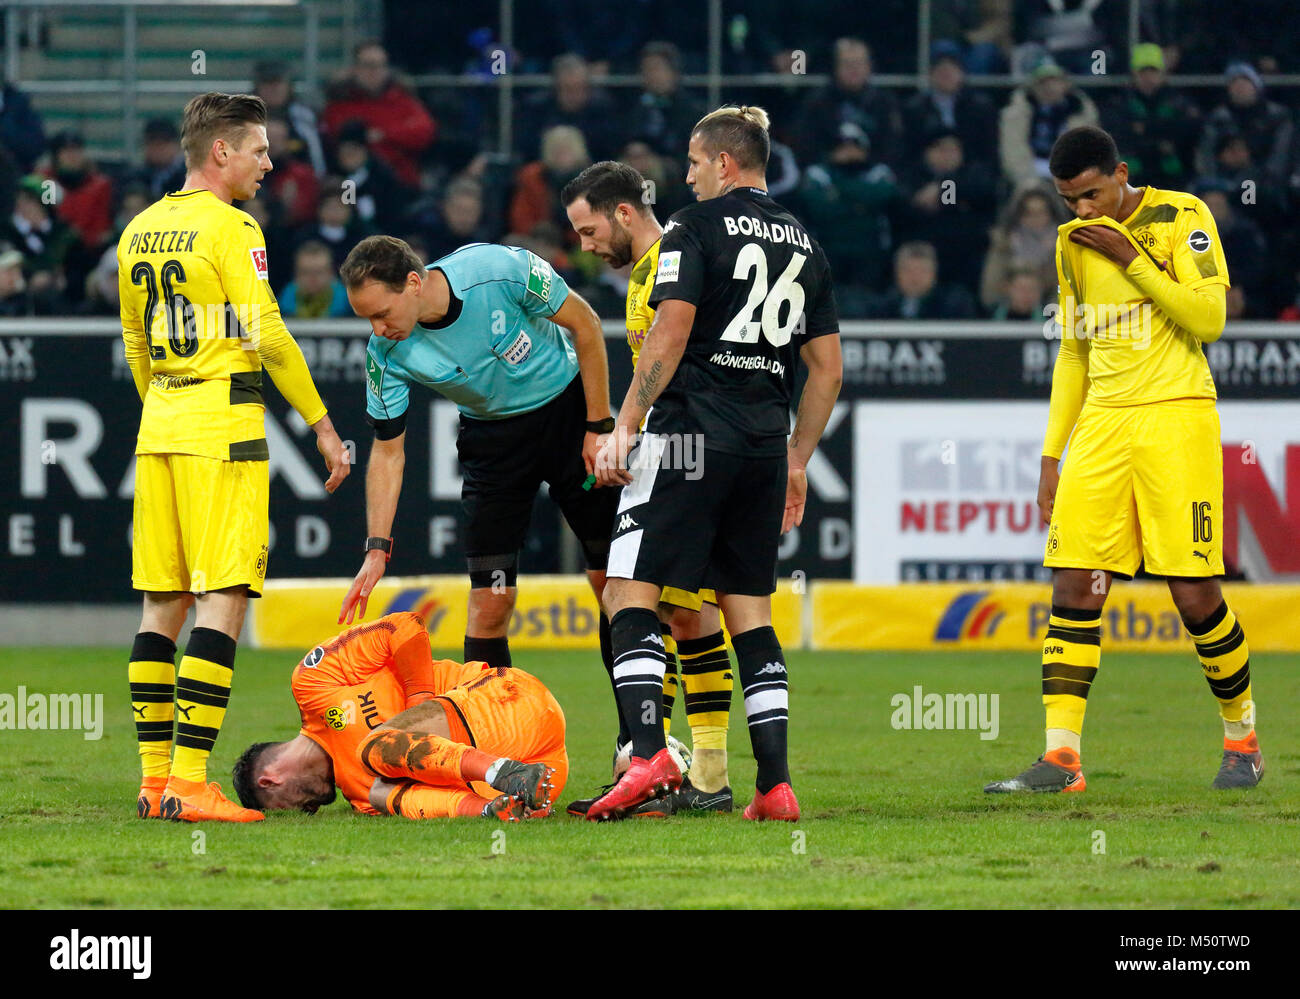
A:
{"x": 356, "y": 681}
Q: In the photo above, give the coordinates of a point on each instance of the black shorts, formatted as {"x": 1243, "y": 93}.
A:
{"x": 718, "y": 526}
{"x": 504, "y": 463}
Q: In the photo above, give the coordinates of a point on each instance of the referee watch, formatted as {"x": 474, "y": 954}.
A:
{"x": 384, "y": 545}
{"x": 605, "y": 426}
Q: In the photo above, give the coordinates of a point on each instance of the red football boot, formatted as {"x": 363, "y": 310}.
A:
{"x": 778, "y": 804}
{"x": 644, "y": 779}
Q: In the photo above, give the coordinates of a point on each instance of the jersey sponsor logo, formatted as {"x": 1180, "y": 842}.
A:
{"x": 776, "y": 232}
{"x": 314, "y": 657}
{"x": 374, "y": 376}
{"x": 518, "y": 351}
{"x": 259, "y": 262}
{"x": 539, "y": 277}
{"x": 670, "y": 266}
{"x": 1198, "y": 240}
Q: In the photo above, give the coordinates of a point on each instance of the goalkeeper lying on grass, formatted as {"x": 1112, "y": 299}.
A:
{"x": 401, "y": 734}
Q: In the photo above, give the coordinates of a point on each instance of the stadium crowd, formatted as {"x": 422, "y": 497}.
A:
{"x": 930, "y": 203}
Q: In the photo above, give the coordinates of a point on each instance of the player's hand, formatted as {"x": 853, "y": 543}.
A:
{"x": 611, "y": 459}
{"x": 591, "y": 445}
{"x": 796, "y": 495}
{"x": 372, "y": 571}
{"x": 1049, "y": 477}
{"x": 338, "y": 459}
{"x": 1110, "y": 244}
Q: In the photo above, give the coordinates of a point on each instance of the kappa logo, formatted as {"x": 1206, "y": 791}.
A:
{"x": 655, "y": 639}
{"x": 1198, "y": 241}
{"x": 625, "y": 522}
{"x": 771, "y": 668}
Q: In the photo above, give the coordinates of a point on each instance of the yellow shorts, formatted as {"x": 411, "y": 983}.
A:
{"x": 1141, "y": 482}
{"x": 685, "y": 598}
{"x": 200, "y": 523}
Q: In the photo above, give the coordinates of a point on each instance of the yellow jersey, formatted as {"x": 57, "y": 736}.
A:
{"x": 199, "y": 322}
{"x": 639, "y": 286}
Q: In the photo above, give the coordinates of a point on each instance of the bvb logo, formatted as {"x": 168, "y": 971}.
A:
{"x": 1053, "y": 541}
{"x": 261, "y": 563}
{"x": 336, "y": 717}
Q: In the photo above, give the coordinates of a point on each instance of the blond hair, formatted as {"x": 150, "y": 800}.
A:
{"x": 738, "y": 131}
{"x": 213, "y": 116}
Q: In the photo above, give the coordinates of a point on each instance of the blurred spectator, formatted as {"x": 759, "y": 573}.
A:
{"x": 1244, "y": 246}
{"x": 917, "y": 294}
{"x": 460, "y": 220}
{"x": 1291, "y": 313}
{"x": 1234, "y": 168}
{"x": 1039, "y": 111}
{"x": 1265, "y": 125}
{"x": 537, "y": 185}
{"x": 853, "y": 99}
{"x": 43, "y": 239}
{"x": 164, "y": 164}
{"x": 1024, "y": 239}
{"x": 1071, "y": 31}
{"x": 1023, "y": 297}
{"x": 981, "y": 30}
{"x": 85, "y": 195}
{"x": 398, "y": 128}
{"x": 669, "y": 185}
{"x": 661, "y": 114}
{"x": 272, "y": 83}
{"x": 280, "y": 240}
{"x": 950, "y": 206}
{"x": 336, "y": 225}
{"x": 600, "y": 31}
{"x": 948, "y": 104}
{"x": 102, "y": 298}
{"x": 13, "y": 286}
{"x": 1238, "y": 305}
{"x": 314, "y": 292}
{"x": 571, "y": 101}
{"x": 1154, "y": 126}
{"x": 291, "y": 182}
{"x": 21, "y": 131}
{"x": 380, "y": 196}
{"x": 849, "y": 198}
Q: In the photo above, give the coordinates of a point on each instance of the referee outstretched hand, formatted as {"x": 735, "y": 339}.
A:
{"x": 611, "y": 458}
{"x": 372, "y": 571}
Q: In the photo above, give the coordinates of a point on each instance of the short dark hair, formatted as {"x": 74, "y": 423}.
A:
{"x": 244, "y": 775}
{"x": 213, "y": 116}
{"x": 606, "y": 185}
{"x": 1079, "y": 149}
{"x": 738, "y": 131}
{"x": 666, "y": 51}
{"x": 385, "y": 259}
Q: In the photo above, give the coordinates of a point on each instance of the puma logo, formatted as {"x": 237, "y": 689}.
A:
{"x": 186, "y": 711}
{"x": 1205, "y": 555}
{"x": 139, "y": 710}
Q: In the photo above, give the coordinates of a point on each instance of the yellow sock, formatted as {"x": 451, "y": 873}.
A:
{"x": 202, "y": 692}
{"x": 1071, "y": 655}
{"x": 670, "y": 675}
{"x": 152, "y": 676}
{"x": 1225, "y": 661}
{"x": 708, "y": 682}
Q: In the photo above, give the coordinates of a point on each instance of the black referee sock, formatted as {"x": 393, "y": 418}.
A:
{"x": 607, "y": 657}
{"x": 639, "y": 664}
{"x": 763, "y": 679}
{"x": 493, "y": 651}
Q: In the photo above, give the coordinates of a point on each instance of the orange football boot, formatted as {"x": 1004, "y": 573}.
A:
{"x": 191, "y": 801}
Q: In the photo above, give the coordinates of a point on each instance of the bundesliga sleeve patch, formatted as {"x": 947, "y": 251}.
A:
{"x": 539, "y": 277}
{"x": 259, "y": 262}
{"x": 670, "y": 265}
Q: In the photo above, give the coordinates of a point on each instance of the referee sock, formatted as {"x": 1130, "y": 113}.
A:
{"x": 639, "y": 664}
{"x": 763, "y": 679}
{"x": 708, "y": 682}
{"x": 670, "y": 674}
{"x": 202, "y": 692}
{"x": 152, "y": 676}
{"x": 1225, "y": 661}
{"x": 607, "y": 657}
{"x": 493, "y": 651}
{"x": 1071, "y": 657}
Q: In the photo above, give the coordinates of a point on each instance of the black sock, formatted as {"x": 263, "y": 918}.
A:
{"x": 639, "y": 665}
{"x": 607, "y": 657}
{"x": 763, "y": 677}
{"x": 493, "y": 651}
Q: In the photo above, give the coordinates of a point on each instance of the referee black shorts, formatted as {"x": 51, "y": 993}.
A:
{"x": 717, "y": 525}
{"x": 504, "y": 463}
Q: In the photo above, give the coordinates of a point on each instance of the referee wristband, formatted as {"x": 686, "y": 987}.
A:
{"x": 605, "y": 426}
{"x": 384, "y": 545}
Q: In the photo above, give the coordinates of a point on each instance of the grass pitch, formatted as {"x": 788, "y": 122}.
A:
{"x": 892, "y": 818}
